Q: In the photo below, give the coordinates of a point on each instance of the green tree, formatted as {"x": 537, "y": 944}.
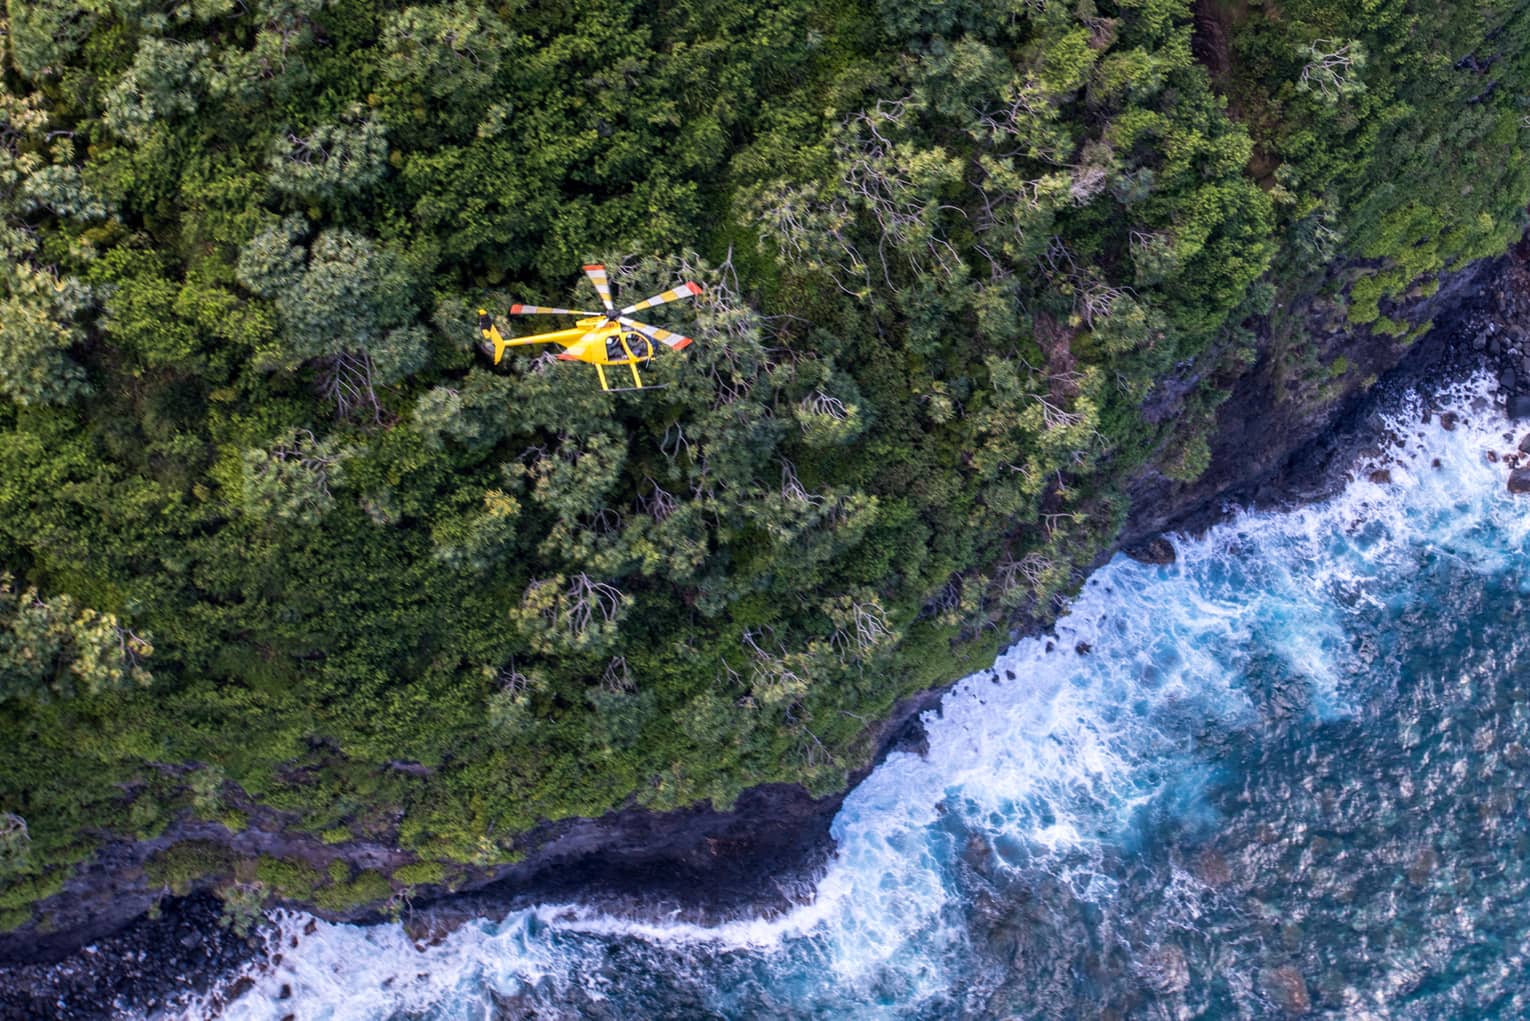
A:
{"x": 1332, "y": 68}
{"x": 476, "y": 539}
{"x": 164, "y": 80}
{"x": 289, "y": 483}
{"x": 330, "y": 160}
{"x": 37, "y": 331}
{"x": 579, "y": 614}
{"x": 51, "y": 650}
{"x": 15, "y": 843}
{"x": 450, "y": 54}
{"x": 344, "y": 294}
{"x": 42, "y": 35}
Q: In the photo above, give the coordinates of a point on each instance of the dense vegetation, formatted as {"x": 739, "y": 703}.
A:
{"x": 276, "y": 536}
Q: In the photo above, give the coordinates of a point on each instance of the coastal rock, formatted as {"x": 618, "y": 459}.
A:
{"x": 1381, "y": 476}
{"x": 1524, "y": 444}
{"x": 1157, "y": 550}
{"x": 1519, "y": 406}
{"x": 156, "y": 964}
{"x": 1519, "y": 481}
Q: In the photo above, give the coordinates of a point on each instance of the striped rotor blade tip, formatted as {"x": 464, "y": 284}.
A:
{"x": 542, "y": 310}
{"x": 688, "y": 289}
{"x": 675, "y": 341}
{"x": 597, "y": 274}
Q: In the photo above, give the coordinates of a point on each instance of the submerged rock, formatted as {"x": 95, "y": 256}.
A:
{"x": 1422, "y": 867}
{"x": 1165, "y": 969}
{"x": 1212, "y": 868}
{"x": 1287, "y": 989}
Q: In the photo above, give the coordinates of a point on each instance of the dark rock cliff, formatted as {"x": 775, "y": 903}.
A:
{"x": 1278, "y": 438}
{"x": 1282, "y": 438}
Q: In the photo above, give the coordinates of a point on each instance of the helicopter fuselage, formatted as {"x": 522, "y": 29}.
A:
{"x": 599, "y": 340}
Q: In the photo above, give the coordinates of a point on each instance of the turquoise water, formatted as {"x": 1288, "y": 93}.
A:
{"x": 1288, "y": 776}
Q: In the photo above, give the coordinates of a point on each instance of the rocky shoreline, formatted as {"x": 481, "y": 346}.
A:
{"x": 154, "y": 964}
{"x": 1268, "y": 450}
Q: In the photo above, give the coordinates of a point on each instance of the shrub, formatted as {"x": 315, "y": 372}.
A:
{"x": 185, "y": 865}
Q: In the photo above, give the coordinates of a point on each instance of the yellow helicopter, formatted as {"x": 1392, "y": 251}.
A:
{"x": 601, "y": 339}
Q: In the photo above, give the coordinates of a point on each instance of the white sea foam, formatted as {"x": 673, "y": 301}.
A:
{"x": 1052, "y": 764}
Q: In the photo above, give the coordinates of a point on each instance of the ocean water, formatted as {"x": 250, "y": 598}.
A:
{"x": 1285, "y": 775}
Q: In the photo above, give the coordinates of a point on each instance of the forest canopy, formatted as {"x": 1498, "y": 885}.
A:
{"x": 271, "y": 525}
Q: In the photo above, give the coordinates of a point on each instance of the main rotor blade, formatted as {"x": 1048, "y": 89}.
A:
{"x": 675, "y": 341}
{"x": 539, "y": 310}
{"x": 685, "y": 290}
{"x": 597, "y": 275}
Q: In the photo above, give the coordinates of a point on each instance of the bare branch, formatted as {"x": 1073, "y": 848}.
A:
{"x": 1331, "y": 68}
{"x": 792, "y": 488}
{"x": 585, "y": 603}
{"x": 617, "y": 677}
{"x": 1030, "y": 569}
{"x": 658, "y": 503}
{"x": 1096, "y": 301}
{"x": 511, "y": 680}
{"x": 674, "y": 442}
{"x": 811, "y": 749}
{"x": 604, "y": 522}
{"x": 820, "y": 403}
{"x": 1054, "y": 521}
{"x": 589, "y": 599}
{"x": 345, "y": 378}
{"x": 311, "y": 455}
{"x": 871, "y": 626}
